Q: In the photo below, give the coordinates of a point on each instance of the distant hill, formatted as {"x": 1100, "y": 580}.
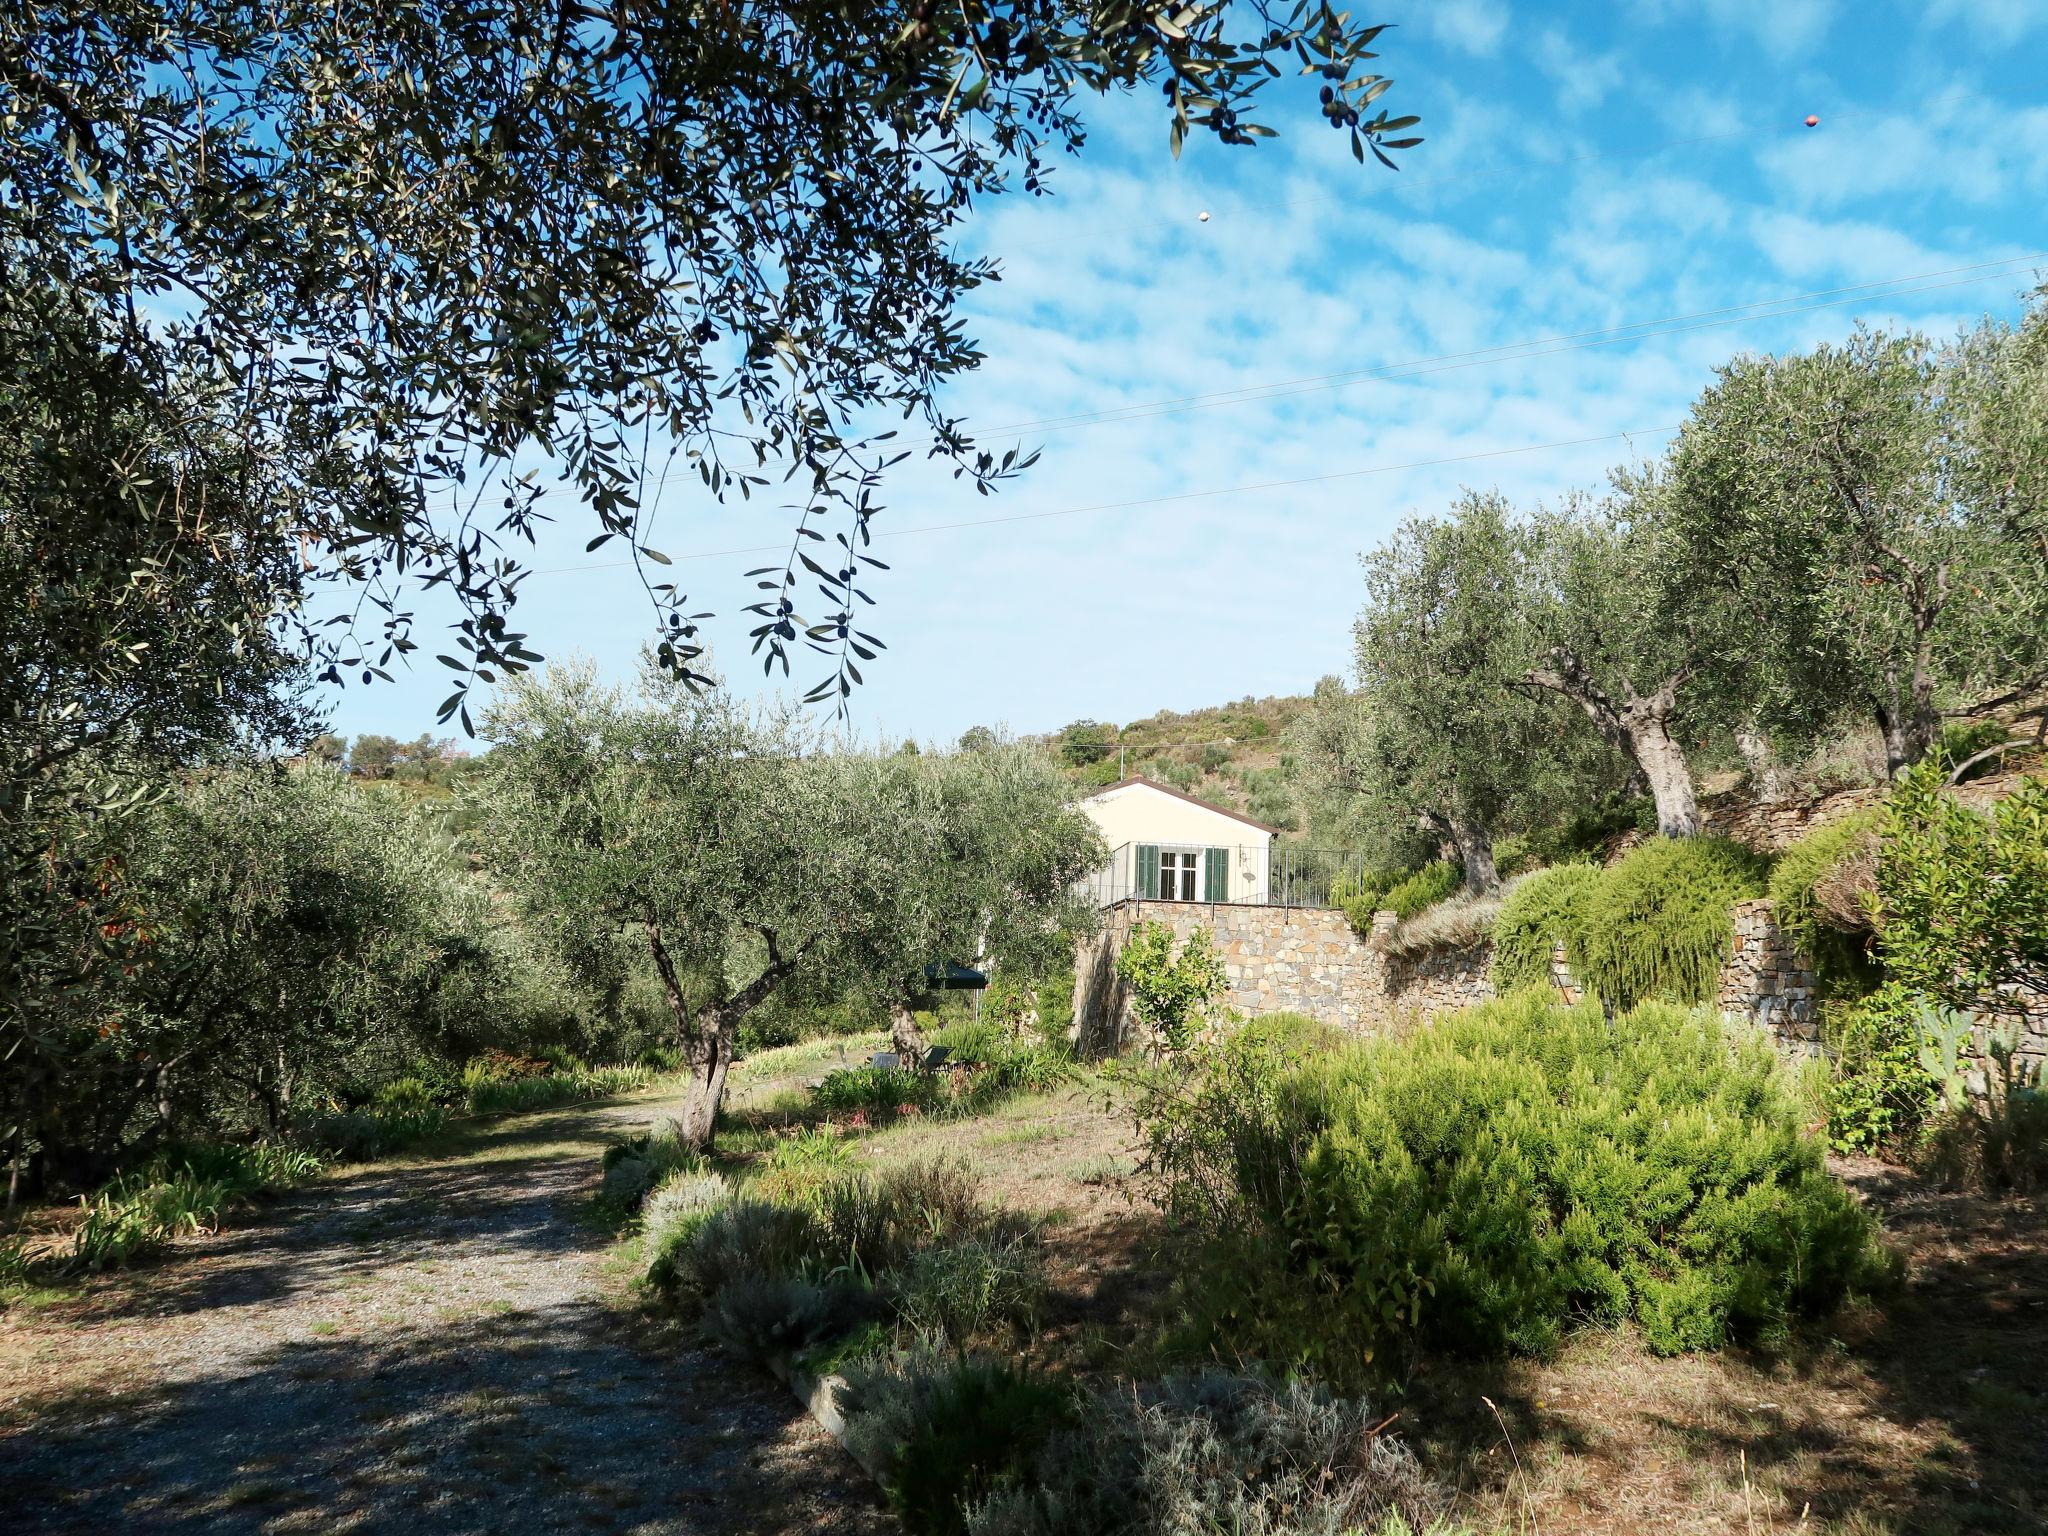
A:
{"x": 1231, "y": 754}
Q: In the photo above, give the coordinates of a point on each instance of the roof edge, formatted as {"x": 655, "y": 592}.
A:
{"x": 1137, "y": 780}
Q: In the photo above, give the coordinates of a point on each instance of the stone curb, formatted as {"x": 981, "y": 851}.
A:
{"x": 819, "y": 1395}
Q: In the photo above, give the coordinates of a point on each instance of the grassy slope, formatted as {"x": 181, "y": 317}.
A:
{"x": 1229, "y": 754}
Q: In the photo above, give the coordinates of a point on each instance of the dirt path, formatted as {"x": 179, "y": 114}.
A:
{"x": 426, "y": 1346}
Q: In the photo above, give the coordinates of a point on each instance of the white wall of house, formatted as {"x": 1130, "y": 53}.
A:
{"x": 1188, "y": 834}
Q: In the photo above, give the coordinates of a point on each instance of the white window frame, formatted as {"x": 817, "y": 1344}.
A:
{"x": 1187, "y": 864}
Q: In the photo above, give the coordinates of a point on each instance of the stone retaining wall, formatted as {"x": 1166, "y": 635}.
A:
{"x": 1310, "y": 960}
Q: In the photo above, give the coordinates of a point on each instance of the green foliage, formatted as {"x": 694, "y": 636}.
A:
{"x": 779, "y": 1316}
{"x": 364, "y": 1135}
{"x": 180, "y": 1193}
{"x": 1816, "y": 900}
{"x": 1543, "y": 910}
{"x": 1964, "y": 895}
{"x": 1219, "y": 1451}
{"x": 1434, "y": 882}
{"x": 959, "y": 1290}
{"x": 489, "y": 1094}
{"x": 947, "y": 1435}
{"x": 1962, "y": 740}
{"x": 1997, "y": 1139}
{"x": 1171, "y": 993}
{"x": 669, "y": 1219}
{"x": 1478, "y": 1185}
{"x": 1659, "y": 924}
{"x": 1887, "y": 1077}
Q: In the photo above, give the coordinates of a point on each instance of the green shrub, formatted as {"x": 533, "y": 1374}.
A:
{"x": 734, "y": 1239}
{"x": 1171, "y": 993}
{"x": 1965, "y": 895}
{"x": 1962, "y": 740}
{"x": 872, "y": 1223}
{"x": 879, "y": 1092}
{"x": 180, "y": 1192}
{"x": 1815, "y": 899}
{"x": 1424, "y": 889}
{"x": 488, "y": 1095}
{"x": 798, "y": 1168}
{"x": 1882, "y": 1088}
{"x": 944, "y": 1436}
{"x": 669, "y": 1219}
{"x": 363, "y": 1135}
{"x": 956, "y": 1291}
{"x": 1476, "y": 1186}
{"x": 1219, "y": 1451}
{"x": 1545, "y": 909}
{"x": 1660, "y": 922}
{"x": 768, "y": 1317}
{"x": 1997, "y": 1139}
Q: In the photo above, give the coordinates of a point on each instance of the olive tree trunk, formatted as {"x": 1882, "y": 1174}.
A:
{"x": 1638, "y": 724}
{"x": 706, "y": 1035}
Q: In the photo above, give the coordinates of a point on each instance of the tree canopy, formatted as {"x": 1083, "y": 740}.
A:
{"x": 417, "y": 251}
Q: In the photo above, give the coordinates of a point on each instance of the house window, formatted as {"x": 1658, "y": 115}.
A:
{"x": 1177, "y": 877}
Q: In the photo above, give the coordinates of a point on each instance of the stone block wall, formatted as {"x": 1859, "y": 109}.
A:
{"x": 1310, "y": 960}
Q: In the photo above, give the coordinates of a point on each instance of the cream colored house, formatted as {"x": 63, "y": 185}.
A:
{"x": 1167, "y": 846}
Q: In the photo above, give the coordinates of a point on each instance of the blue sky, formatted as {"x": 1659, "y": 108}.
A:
{"x": 1586, "y": 167}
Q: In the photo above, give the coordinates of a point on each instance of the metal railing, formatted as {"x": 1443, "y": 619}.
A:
{"x": 1279, "y": 875}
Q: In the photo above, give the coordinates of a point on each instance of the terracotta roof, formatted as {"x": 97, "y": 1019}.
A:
{"x": 1167, "y": 789}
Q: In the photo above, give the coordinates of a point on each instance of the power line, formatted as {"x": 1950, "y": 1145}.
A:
{"x": 1164, "y": 500}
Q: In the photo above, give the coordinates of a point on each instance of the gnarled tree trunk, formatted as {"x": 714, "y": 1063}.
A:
{"x": 1475, "y": 851}
{"x": 706, "y": 1036}
{"x": 905, "y": 1038}
{"x": 1637, "y": 724}
{"x": 1765, "y": 775}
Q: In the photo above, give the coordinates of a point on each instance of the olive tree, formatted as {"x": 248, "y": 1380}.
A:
{"x": 1619, "y": 629}
{"x": 430, "y": 247}
{"x": 273, "y": 932}
{"x": 749, "y": 862}
{"x": 1879, "y": 505}
{"x": 1445, "y": 736}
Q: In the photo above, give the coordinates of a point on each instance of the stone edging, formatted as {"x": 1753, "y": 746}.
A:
{"x": 820, "y": 1397}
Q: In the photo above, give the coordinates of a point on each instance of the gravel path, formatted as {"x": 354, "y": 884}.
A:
{"x": 428, "y": 1346}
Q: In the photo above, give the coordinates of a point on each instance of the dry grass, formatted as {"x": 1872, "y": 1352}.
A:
{"x": 1458, "y": 922}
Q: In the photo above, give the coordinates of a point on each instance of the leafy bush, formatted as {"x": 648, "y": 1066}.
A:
{"x": 735, "y": 1238}
{"x": 1660, "y": 922}
{"x": 1170, "y": 993}
{"x": 1884, "y": 1085}
{"x": 879, "y": 1091}
{"x": 181, "y": 1192}
{"x": 669, "y": 1219}
{"x": 363, "y": 1135}
{"x": 1816, "y": 892}
{"x": 956, "y": 1291}
{"x": 1218, "y": 1451}
{"x": 763, "y": 1317}
{"x": 1541, "y": 911}
{"x": 1965, "y": 895}
{"x": 1962, "y": 740}
{"x": 1997, "y": 1139}
{"x": 1432, "y": 883}
{"x": 944, "y": 1436}
{"x": 1473, "y": 1187}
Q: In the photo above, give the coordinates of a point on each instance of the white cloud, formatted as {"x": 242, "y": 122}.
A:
{"x": 1783, "y": 27}
{"x": 1475, "y": 26}
{"x": 2001, "y": 21}
{"x": 1584, "y": 78}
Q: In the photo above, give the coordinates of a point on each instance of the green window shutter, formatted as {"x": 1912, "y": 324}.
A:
{"x": 1216, "y": 875}
{"x": 1148, "y": 871}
